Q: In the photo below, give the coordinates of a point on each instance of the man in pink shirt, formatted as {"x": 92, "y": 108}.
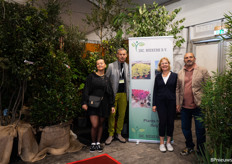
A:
{"x": 188, "y": 99}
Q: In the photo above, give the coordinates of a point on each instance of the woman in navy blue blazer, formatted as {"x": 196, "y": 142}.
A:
{"x": 164, "y": 102}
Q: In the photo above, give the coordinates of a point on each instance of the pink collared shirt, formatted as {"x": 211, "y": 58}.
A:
{"x": 188, "y": 93}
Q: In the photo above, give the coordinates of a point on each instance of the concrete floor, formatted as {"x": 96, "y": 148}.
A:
{"x": 131, "y": 153}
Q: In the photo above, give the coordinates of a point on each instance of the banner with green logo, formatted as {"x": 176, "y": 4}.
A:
{"x": 144, "y": 56}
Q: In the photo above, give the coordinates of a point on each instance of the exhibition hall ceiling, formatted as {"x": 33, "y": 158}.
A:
{"x": 79, "y": 8}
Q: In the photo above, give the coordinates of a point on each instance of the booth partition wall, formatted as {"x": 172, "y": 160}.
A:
{"x": 205, "y": 41}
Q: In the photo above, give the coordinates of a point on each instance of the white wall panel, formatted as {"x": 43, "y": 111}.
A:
{"x": 226, "y": 49}
{"x": 200, "y": 11}
{"x": 207, "y": 56}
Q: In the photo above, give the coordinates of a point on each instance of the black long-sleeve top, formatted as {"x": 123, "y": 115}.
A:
{"x": 164, "y": 91}
{"x": 97, "y": 86}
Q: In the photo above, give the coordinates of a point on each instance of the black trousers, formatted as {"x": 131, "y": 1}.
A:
{"x": 166, "y": 111}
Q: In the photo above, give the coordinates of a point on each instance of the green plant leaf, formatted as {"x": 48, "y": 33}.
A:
{"x": 133, "y": 130}
{"x": 141, "y": 130}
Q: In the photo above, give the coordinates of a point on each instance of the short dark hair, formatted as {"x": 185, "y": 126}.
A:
{"x": 121, "y": 49}
{"x": 100, "y": 58}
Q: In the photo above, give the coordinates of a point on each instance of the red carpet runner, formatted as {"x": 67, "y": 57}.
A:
{"x": 99, "y": 159}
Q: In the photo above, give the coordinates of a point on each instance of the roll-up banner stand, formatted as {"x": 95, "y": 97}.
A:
{"x": 144, "y": 55}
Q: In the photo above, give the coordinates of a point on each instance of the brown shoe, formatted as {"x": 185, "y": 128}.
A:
{"x": 109, "y": 140}
{"x": 121, "y": 139}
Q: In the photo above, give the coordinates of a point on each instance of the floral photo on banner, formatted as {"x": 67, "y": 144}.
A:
{"x": 141, "y": 98}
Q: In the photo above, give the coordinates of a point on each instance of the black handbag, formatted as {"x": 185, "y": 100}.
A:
{"x": 94, "y": 101}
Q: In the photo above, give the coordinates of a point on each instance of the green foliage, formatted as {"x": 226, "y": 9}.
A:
{"x": 103, "y": 19}
{"x": 103, "y": 14}
{"x": 110, "y": 47}
{"x": 217, "y": 105}
{"x": 74, "y": 46}
{"x": 25, "y": 36}
{"x": 153, "y": 20}
{"x": 100, "y": 16}
{"x": 21, "y": 40}
{"x": 55, "y": 96}
{"x": 216, "y": 155}
{"x": 228, "y": 23}
{"x": 33, "y": 62}
{"x": 90, "y": 61}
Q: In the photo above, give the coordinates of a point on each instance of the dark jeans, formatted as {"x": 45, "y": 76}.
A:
{"x": 186, "y": 123}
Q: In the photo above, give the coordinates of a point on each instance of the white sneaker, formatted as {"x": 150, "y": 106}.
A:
{"x": 162, "y": 148}
{"x": 169, "y": 147}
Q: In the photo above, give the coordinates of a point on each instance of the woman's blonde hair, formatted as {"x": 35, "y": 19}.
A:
{"x": 159, "y": 65}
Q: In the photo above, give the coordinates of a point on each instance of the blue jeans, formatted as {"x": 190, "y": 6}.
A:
{"x": 186, "y": 123}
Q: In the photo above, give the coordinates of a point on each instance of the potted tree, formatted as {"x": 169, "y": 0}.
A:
{"x": 35, "y": 70}
{"x": 55, "y": 100}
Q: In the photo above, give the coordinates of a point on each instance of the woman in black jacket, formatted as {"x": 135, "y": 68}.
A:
{"x": 97, "y": 84}
{"x": 164, "y": 102}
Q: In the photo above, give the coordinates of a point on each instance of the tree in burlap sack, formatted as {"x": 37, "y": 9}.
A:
{"x": 55, "y": 140}
{"x": 7, "y": 135}
{"x": 32, "y": 55}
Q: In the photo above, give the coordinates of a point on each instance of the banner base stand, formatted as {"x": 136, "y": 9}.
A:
{"x": 137, "y": 141}
{"x": 144, "y": 141}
